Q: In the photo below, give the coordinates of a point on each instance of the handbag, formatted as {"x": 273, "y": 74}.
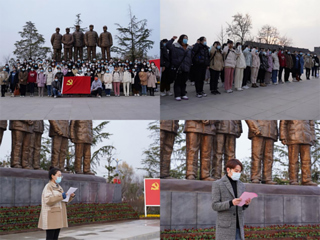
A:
{"x": 108, "y": 85}
{"x": 16, "y": 91}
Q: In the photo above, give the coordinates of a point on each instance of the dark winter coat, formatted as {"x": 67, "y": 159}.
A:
{"x": 200, "y": 55}
{"x": 263, "y": 62}
{"x": 164, "y": 56}
{"x": 177, "y": 55}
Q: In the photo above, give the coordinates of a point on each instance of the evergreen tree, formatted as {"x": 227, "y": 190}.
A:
{"x": 31, "y": 44}
{"x": 151, "y": 162}
{"x": 133, "y": 40}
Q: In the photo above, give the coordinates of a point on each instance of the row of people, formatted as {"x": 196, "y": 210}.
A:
{"x": 236, "y": 65}
{"x": 36, "y": 73}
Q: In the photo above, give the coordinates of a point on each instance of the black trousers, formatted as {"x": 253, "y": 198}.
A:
{"x": 23, "y": 89}
{"x": 286, "y": 74}
{"x": 280, "y": 73}
{"x": 151, "y": 90}
{"x": 31, "y": 87}
{"x": 98, "y": 91}
{"x": 165, "y": 80}
{"x": 214, "y": 78}
{"x": 3, "y": 90}
{"x": 308, "y": 73}
{"x": 180, "y": 84}
{"x": 261, "y": 74}
{"x": 200, "y": 74}
{"x": 52, "y": 234}
{"x": 246, "y": 76}
{"x": 222, "y": 75}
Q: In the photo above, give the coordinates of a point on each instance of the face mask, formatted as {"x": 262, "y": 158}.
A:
{"x": 264, "y": 53}
{"x": 23, "y": 70}
{"x": 41, "y": 70}
{"x": 58, "y": 180}
{"x": 185, "y": 41}
{"x": 289, "y": 53}
{"x": 301, "y": 53}
{"x": 74, "y": 67}
{"x": 50, "y": 71}
{"x": 164, "y": 44}
{"x": 281, "y": 51}
{"x": 235, "y": 176}
{"x": 133, "y": 70}
{"x": 107, "y": 71}
{"x": 69, "y": 71}
{"x": 150, "y": 69}
{"x": 308, "y": 54}
{"x": 7, "y": 66}
{"x": 218, "y": 47}
{"x": 4, "y": 69}
{"x": 142, "y": 70}
{"x": 59, "y": 71}
{"x": 56, "y": 79}
{"x": 36, "y": 65}
{"x": 130, "y": 62}
{"x": 32, "y": 69}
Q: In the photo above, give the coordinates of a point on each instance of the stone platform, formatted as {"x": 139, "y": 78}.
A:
{"x": 23, "y": 187}
{"x": 187, "y": 204}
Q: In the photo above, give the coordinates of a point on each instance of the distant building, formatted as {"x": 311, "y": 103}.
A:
{"x": 274, "y": 46}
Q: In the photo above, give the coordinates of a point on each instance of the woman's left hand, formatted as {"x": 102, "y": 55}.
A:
{"x": 72, "y": 195}
{"x": 248, "y": 201}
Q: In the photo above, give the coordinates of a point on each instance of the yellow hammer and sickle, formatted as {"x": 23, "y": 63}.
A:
{"x": 155, "y": 186}
{"x": 69, "y": 82}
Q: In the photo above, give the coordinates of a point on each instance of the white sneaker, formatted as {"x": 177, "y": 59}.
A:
{"x": 239, "y": 89}
{"x": 178, "y": 98}
{"x": 138, "y": 95}
{"x": 108, "y": 95}
{"x": 163, "y": 94}
{"x": 169, "y": 93}
{"x": 99, "y": 96}
{"x": 185, "y": 98}
{"x": 55, "y": 96}
{"x": 12, "y": 95}
{"x": 245, "y": 87}
{"x": 229, "y": 91}
{"x": 275, "y": 83}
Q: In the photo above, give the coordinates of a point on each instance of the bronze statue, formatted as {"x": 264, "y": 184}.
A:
{"x": 168, "y": 132}
{"x": 35, "y": 144}
{"x": 56, "y": 40}
{"x": 105, "y": 42}
{"x": 81, "y": 134}
{"x": 298, "y": 135}
{"x": 21, "y": 132}
{"x": 199, "y": 136}
{"x": 91, "y": 40}
{"x": 3, "y": 127}
{"x": 67, "y": 40}
{"x": 78, "y": 38}
{"x": 224, "y": 144}
{"x": 59, "y": 132}
{"x": 263, "y": 134}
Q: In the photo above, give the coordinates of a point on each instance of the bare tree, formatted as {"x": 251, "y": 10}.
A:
{"x": 222, "y": 35}
{"x": 240, "y": 27}
{"x": 268, "y": 34}
{"x": 285, "y": 41}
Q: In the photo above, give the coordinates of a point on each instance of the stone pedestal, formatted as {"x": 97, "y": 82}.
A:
{"x": 187, "y": 204}
{"x": 23, "y": 187}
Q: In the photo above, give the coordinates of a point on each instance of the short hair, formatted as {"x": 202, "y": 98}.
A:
{"x": 104, "y": 26}
{"x": 77, "y": 25}
{"x": 233, "y": 163}
{"x": 229, "y": 41}
{"x": 90, "y": 25}
{"x": 201, "y": 38}
{"x": 57, "y": 28}
{"x": 67, "y": 28}
{"x": 53, "y": 171}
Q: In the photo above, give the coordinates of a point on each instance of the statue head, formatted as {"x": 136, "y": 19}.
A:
{"x": 91, "y": 27}
{"x": 77, "y": 28}
{"x": 105, "y": 28}
{"x": 57, "y": 30}
{"x": 67, "y": 30}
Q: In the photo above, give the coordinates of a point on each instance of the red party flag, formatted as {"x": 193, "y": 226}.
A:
{"x": 76, "y": 85}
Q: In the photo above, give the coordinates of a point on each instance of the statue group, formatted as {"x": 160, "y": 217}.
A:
{"x": 79, "y": 40}
{"x": 26, "y": 143}
{"x": 215, "y": 140}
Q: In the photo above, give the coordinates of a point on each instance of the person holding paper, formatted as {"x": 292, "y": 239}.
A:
{"x": 225, "y": 193}
{"x": 53, "y": 215}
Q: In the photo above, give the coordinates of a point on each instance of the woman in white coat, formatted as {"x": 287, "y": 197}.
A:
{"x": 240, "y": 66}
{"x": 107, "y": 79}
{"x": 127, "y": 79}
{"x": 276, "y": 66}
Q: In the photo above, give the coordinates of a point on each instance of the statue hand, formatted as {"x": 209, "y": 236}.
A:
{"x": 284, "y": 142}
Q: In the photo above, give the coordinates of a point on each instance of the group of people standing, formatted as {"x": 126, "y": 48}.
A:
{"x": 105, "y": 75}
{"x": 234, "y": 64}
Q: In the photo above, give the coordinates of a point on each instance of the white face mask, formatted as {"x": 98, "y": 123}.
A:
{"x": 236, "y": 176}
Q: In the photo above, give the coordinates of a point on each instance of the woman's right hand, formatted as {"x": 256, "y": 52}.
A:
{"x": 236, "y": 201}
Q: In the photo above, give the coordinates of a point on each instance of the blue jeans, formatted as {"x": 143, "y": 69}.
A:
{"x": 107, "y": 91}
{"x": 274, "y": 76}
{"x": 144, "y": 89}
{"x": 49, "y": 90}
{"x": 56, "y": 92}
{"x": 238, "y": 235}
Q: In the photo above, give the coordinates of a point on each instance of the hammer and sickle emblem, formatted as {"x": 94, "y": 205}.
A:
{"x": 70, "y": 82}
{"x": 155, "y": 186}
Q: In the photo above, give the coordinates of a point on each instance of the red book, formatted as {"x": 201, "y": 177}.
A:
{"x": 76, "y": 85}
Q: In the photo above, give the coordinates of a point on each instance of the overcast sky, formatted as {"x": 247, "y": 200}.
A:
{"x": 47, "y": 15}
{"x": 130, "y": 138}
{"x": 298, "y": 20}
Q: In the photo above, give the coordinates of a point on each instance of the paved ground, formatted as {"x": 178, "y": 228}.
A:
{"x": 76, "y": 107}
{"x": 295, "y": 100}
{"x": 129, "y": 230}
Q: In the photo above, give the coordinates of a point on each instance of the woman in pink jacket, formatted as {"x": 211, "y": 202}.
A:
{"x": 230, "y": 56}
{"x": 41, "y": 81}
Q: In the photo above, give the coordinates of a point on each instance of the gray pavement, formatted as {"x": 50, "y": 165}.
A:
{"x": 128, "y": 230}
{"x": 79, "y": 108}
{"x": 294, "y": 100}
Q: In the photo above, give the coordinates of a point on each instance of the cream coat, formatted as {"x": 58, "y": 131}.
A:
{"x": 53, "y": 213}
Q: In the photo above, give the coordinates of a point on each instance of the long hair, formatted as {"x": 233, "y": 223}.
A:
{"x": 180, "y": 40}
